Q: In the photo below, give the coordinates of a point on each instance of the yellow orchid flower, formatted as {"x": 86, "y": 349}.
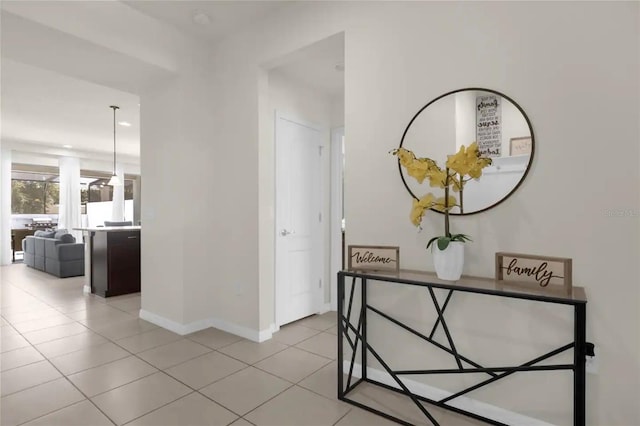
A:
{"x": 437, "y": 177}
{"x": 439, "y": 204}
{"x": 419, "y": 207}
{"x": 467, "y": 161}
{"x": 405, "y": 156}
{"x": 420, "y": 169}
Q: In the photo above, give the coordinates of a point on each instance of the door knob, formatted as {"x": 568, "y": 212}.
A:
{"x": 284, "y": 232}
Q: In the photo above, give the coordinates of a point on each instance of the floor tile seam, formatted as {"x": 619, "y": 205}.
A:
{"x": 175, "y": 365}
{"x": 58, "y": 307}
{"x": 18, "y": 347}
{"x": 113, "y": 306}
{"x": 215, "y": 349}
{"x": 103, "y": 317}
{"x": 33, "y": 386}
{"x": 95, "y": 366}
{"x": 285, "y": 379}
{"x": 120, "y": 309}
{"x": 89, "y": 346}
{"x": 115, "y": 341}
{"x": 299, "y": 384}
{"x": 217, "y": 380}
{"x": 24, "y": 365}
{"x": 316, "y": 354}
{"x": 208, "y": 384}
{"x": 106, "y": 329}
{"x": 47, "y": 341}
{"x": 260, "y": 360}
{"x": 308, "y": 375}
{"x": 75, "y": 387}
{"x": 55, "y": 411}
{"x": 349, "y": 410}
{"x": 121, "y": 385}
{"x": 39, "y": 298}
{"x": 319, "y": 329}
{"x": 158, "y": 408}
{"x": 144, "y": 350}
{"x": 256, "y": 407}
{"x": 71, "y": 352}
{"x": 13, "y": 323}
{"x": 44, "y": 328}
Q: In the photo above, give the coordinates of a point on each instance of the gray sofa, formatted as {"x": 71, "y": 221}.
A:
{"x": 55, "y": 252}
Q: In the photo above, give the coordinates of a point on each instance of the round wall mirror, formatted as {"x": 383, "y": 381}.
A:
{"x": 501, "y": 129}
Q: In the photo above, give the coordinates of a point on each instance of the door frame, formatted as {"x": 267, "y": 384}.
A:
{"x": 319, "y": 294}
{"x": 337, "y": 174}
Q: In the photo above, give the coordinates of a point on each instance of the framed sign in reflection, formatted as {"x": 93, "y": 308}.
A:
{"x": 520, "y": 146}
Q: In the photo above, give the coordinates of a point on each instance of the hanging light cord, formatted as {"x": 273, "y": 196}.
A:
{"x": 114, "y": 137}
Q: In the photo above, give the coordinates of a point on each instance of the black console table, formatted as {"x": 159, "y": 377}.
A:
{"x": 352, "y": 328}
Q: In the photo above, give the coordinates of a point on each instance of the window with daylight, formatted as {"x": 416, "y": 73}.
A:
{"x": 31, "y": 196}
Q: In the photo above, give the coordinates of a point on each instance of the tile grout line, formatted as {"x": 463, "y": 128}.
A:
{"x": 212, "y": 350}
{"x": 48, "y": 360}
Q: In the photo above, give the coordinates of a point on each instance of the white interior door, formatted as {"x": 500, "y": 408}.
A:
{"x": 298, "y": 220}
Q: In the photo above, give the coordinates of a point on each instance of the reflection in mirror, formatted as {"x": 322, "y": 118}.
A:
{"x": 499, "y": 126}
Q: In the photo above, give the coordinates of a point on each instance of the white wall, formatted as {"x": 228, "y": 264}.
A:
{"x": 5, "y": 205}
{"x": 398, "y": 56}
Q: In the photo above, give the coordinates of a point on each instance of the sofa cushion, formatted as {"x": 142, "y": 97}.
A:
{"x": 67, "y": 238}
{"x": 39, "y": 246}
{"x": 67, "y": 252}
{"x": 59, "y": 233}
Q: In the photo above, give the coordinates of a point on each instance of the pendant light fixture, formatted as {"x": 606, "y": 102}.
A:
{"x": 115, "y": 180}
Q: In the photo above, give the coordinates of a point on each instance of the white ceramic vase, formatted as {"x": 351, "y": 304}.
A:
{"x": 448, "y": 262}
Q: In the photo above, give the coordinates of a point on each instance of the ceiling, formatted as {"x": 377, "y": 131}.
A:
{"x": 225, "y": 16}
{"x": 317, "y": 66}
{"x": 43, "y": 107}
{"x": 56, "y": 107}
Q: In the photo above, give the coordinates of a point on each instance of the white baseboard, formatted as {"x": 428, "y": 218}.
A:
{"x": 183, "y": 329}
{"x": 239, "y": 330}
{"x": 174, "y": 326}
{"x": 462, "y": 402}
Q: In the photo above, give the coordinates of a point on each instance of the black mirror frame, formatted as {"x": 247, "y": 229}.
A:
{"x": 526, "y": 172}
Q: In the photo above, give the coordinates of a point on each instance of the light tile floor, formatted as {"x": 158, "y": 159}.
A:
{"x": 74, "y": 359}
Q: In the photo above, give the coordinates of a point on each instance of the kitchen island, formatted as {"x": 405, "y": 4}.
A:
{"x": 112, "y": 259}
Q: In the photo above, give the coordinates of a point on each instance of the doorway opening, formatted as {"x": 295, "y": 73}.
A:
{"x": 305, "y": 107}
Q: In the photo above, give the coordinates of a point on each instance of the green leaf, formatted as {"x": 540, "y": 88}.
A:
{"x": 460, "y": 237}
{"x": 431, "y": 241}
{"x": 443, "y": 243}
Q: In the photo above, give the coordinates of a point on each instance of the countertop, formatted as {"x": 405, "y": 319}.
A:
{"x": 109, "y": 229}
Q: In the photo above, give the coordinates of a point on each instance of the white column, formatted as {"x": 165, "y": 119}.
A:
{"x": 117, "y": 214}
{"x": 136, "y": 200}
{"x": 5, "y": 206}
{"x": 70, "y": 208}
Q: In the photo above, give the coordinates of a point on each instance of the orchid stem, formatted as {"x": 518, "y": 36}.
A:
{"x": 461, "y": 190}
{"x": 446, "y": 206}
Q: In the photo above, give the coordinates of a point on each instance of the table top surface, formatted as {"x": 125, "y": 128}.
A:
{"x": 109, "y": 229}
{"x": 484, "y": 285}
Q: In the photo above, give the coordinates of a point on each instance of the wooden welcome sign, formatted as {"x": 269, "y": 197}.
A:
{"x": 546, "y": 272}
{"x": 374, "y": 258}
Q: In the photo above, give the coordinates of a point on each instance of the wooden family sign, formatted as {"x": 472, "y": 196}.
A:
{"x": 374, "y": 258}
{"x": 546, "y": 272}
